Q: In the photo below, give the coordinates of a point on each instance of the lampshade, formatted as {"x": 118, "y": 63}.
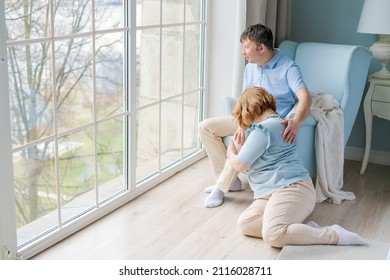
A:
{"x": 375, "y": 17}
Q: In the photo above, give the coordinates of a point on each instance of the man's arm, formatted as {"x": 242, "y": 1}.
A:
{"x": 302, "y": 111}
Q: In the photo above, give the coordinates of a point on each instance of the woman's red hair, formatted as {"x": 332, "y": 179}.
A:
{"x": 253, "y": 102}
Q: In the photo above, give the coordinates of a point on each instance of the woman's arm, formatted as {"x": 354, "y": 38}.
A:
{"x": 231, "y": 154}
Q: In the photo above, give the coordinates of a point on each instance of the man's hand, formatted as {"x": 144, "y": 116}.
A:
{"x": 302, "y": 111}
{"x": 239, "y": 136}
{"x": 291, "y": 130}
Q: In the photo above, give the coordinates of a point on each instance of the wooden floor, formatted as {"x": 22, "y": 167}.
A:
{"x": 170, "y": 222}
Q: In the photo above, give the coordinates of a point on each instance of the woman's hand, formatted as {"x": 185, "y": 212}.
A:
{"x": 239, "y": 136}
{"x": 231, "y": 154}
{"x": 231, "y": 149}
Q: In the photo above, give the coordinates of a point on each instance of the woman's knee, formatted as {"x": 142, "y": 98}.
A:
{"x": 273, "y": 236}
{"x": 250, "y": 226}
{"x": 242, "y": 224}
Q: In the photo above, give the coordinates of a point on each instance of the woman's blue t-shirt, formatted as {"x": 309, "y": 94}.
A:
{"x": 274, "y": 163}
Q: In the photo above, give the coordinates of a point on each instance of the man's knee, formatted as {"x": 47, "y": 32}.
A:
{"x": 201, "y": 130}
{"x": 203, "y": 127}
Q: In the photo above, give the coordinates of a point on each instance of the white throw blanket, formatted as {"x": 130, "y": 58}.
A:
{"x": 329, "y": 147}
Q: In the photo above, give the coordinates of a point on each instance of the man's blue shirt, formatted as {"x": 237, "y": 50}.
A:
{"x": 281, "y": 77}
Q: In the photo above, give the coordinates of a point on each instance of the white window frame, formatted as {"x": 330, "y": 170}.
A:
{"x": 8, "y": 229}
{"x": 7, "y": 207}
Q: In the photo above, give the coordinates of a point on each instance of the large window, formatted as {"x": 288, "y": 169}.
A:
{"x": 105, "y": 98}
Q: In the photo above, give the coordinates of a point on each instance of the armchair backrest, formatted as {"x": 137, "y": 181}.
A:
{"x": 339, "y": 70}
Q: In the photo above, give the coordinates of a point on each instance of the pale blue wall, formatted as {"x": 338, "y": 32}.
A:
{"x": 336, "y": 21}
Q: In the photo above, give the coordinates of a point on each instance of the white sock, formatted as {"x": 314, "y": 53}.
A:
{"x": 235, "y": 186}
{"x": 214, "y": 199}
{"x": 347, "y": 237}
{"x": 209, "y": 189}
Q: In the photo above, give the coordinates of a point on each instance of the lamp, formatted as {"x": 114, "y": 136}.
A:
{"x": 375, "y": 19}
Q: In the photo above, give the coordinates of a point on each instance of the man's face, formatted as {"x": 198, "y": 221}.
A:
{"x": 250, "y": 51}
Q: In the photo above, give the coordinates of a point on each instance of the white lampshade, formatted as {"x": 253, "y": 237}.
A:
{"x": 375, "y": 17}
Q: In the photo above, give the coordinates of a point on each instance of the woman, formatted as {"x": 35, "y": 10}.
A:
{"x": 283, "y": 191}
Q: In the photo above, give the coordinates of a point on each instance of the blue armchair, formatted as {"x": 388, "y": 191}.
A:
{"x": 339, "y": 70}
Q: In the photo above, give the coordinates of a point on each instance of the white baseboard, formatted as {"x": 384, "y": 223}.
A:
{"x": 357, "y": 154}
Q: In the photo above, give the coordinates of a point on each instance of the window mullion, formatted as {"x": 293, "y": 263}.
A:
{"x": 131, "y": 51}
{"x": 183, "y": 81}
{"x": 160, "y": 90}
{"x": 55, "y": 114}
{"x": 8, "y": 243}
{"x": 94, "y": 107}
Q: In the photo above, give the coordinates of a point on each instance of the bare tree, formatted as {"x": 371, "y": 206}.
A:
{"x": 43, "y": 79}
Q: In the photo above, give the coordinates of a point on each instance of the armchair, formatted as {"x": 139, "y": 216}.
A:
{"x": 339, "y": 70}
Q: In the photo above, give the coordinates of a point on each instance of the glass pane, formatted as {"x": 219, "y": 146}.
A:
{"x": 147, "y": 142}
{"x": 193, "y": 10}
{"x": 172, "y": 11}
{"x": 74, "y": 82}
{"x": 109, "y": 74}
{"x": 171, "y": 131}
{"x": 148, "y": 12}
{"x": 67, "y": 84}
{"x": 31, "y": 92}
{"x": 148, "y": 68}
{"x": 172, "y": 61}
{"x": 191, "y": 121}
{"x": 109, "y": 9}
{"x": 73, "y": 16}
{"x": 27, "y": 19}
{"x": 35, "y": 191}
{"x": 192, "y": 58}
{"x": 77, "y": 173}
{"x": 110, "y": 151}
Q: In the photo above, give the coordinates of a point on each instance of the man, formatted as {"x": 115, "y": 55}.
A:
{"x": 279, "y": 75}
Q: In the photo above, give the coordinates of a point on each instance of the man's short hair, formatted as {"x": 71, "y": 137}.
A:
{"x": 259, "y": 34}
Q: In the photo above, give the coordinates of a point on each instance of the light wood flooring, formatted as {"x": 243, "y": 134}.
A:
{"x": 170, "y": 222}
